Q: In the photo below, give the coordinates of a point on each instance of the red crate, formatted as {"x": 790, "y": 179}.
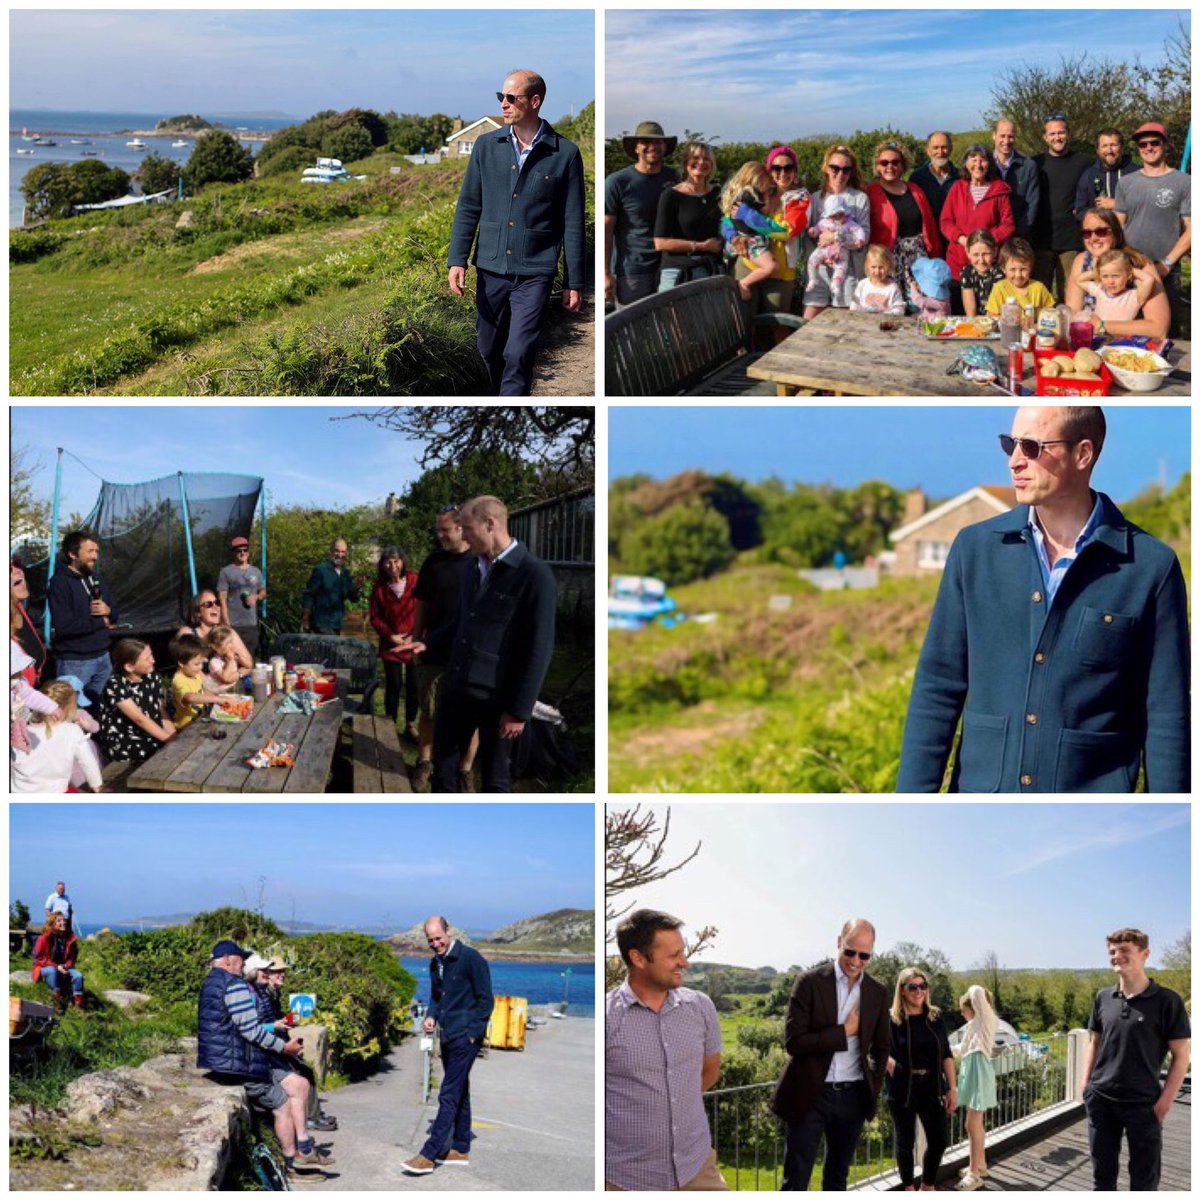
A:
{"x": 1051, "y": 385}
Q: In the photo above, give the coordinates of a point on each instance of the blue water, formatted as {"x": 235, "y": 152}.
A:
{"x": 539, "y": 983}
{"x": 107, "y": 141}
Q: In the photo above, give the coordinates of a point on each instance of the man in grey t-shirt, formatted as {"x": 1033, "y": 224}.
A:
{"x": 1154, "y": 205}
{"x": 239, "y": 589}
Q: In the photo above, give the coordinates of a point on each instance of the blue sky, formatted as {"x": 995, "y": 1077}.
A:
{"x": 295, "y": 61}
{"x": 750, "y": 74}
{"x": 1040, "y": 884}
{"x": 943, "y": 450}
{"x": 304, "y": 455}
{"x": 483, "y": 865}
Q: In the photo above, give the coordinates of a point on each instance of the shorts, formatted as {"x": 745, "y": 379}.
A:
{"x": 269, "y": 1095}
{"x": 429, "y": 688}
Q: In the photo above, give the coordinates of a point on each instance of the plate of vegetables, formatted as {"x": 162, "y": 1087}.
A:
{"x": 981, "y": 329}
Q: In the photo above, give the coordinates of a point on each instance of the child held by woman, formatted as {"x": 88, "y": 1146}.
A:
{"x": 749, "y": 202}
{"x": 1118, "y": 293}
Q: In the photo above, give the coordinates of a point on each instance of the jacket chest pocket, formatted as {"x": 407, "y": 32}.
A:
{"x": 496, "y": 606}
{"x": 1105, "y": 638}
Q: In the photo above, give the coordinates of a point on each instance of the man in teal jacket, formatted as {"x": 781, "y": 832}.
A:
{"x": 1060, "y": 636}
{"x": 329, "y": 587}
{"x": 522, "y": 201}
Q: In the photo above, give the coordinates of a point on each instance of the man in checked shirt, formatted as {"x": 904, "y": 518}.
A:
{"x": 662, "y": 1052}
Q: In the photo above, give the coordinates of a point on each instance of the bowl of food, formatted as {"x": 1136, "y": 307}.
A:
{"x": 1134, "y": 369}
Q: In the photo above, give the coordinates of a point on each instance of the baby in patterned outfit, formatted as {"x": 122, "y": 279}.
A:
{"x": 832, "y": 263}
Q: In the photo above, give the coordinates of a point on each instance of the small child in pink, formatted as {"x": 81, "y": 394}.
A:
{"x": 1109, "y": 286}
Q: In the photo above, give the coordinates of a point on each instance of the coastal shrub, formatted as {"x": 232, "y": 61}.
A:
{"x": 689, "y": 541}
{"x": 158, "y": 174}
{"x": 28, "y": 246}
{"x": 218, "y": 157}
{"x": 289, "y": 160}
{"x": 348, "y": 144}
{"x": 53, "y": 189}
{"x": 366, "y": 119}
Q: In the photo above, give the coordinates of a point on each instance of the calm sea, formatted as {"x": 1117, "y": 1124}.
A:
{"x": 538, "y": 982}
{"x": 103, "y": 130}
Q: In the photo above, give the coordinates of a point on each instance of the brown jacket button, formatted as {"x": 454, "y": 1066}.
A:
{"x": 1037, "y": 597}
{"x": 1026, "y": 780}
{"x": 1039, "y": 657}
{"x": 1031, "y": 718}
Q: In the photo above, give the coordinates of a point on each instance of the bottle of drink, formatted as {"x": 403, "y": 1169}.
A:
{"x": 1010, "y": 323}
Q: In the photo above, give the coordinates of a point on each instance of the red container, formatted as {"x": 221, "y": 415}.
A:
{"x": 1053, "y": 385}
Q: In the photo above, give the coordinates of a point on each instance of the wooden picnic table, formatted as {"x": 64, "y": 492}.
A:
{"x": 193, "y": 761}
{"x": 847, "y": 354}
{"x": 378, "y": 764}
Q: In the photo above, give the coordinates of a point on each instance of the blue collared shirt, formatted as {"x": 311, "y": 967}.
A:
{"x": 1054, "y": 573}
{"x": 522, "y": 155}
{"x": 486, "y": 564}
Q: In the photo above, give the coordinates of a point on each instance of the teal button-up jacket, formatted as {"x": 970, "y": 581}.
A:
{"x": 519, "y": 221}
{"x": 1073, "y": 696}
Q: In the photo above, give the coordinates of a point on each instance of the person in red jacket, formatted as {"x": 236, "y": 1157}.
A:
{"x": 54, "y": 957}
{"x": 901, "y": 219}
{"x": 979, "y": 200}
{"x": 393, "y": 610}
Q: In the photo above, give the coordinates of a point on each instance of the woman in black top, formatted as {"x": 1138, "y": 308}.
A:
{"x": 687, "y": 232}
{"x": 920, "y": 1082}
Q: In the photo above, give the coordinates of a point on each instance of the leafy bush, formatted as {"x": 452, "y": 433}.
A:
{"x": 681, "y": 544}
{"x": 53, "y": 189}
{"x": 158, "y": 174}
{"x": 30, "y": 245}
{"x": 348, "y": 144}
{"x": 218, "y": 157}
{"x": 288, "y": 160}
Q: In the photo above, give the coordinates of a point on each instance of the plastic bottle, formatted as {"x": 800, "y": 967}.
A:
{"x": 1010, "y": 323}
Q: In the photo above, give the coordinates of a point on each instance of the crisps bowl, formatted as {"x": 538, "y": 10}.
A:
{"x": 1137, "y": 381}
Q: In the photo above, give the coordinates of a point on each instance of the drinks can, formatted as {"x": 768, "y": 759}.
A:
{"x": 1016, "y": 368}
{"x": 289, "y": 682}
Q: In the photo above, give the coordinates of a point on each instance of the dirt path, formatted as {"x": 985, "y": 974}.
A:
{"x": 566, "y": 362}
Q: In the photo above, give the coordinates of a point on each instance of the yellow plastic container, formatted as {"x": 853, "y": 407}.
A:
{"x": 506, "y": 1029}
{"x": 497, "y": 1032}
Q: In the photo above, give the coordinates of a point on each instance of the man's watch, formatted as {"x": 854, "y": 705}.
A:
{"x": 1167, "y": 262}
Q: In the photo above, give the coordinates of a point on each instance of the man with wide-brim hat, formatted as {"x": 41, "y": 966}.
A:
{"x": 1154, "y": 205}
{"x": 630, "y": 207}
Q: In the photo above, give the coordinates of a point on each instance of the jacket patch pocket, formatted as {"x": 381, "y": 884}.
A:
{"x": 489, "y": 239}
{"x": 981, "y": 754}
{"x": 1104, "y": 638}
{"x": 483, "y": 669}
{"x": 541, "y": 242}
{"x": 1095, "y": 762}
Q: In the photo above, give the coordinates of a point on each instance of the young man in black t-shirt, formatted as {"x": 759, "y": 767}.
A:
{"x": 439, "y": 584}
{"x": 1134, "y": 1027}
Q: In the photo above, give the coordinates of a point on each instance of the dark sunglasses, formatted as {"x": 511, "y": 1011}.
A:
{"x": 1055, "y": 117}
{"x": 449, "y": 508}
{"x": 838, "y": 170}
{"x": 502, "y": 96}
{"x": 916, "y": 987}
{"x": 1148, "y": 142}
{"x": 241, "y": 549}
{"x": 890, "y": 162}
{"x": 1097, "y": 231}
{"x": 209, "y": 604}
{"x": 1032, "y": 447}
{"x": 864, "y": 955}
{"x": 780, "y": 168}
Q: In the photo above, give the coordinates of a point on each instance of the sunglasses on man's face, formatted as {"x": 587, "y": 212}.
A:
{"x": 1031, "y": 447}
{"x": 862, "y": 955}
{"x": 502, "y": 96}
{"x": 1148, "y": 142}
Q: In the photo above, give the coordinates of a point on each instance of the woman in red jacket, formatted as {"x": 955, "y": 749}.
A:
{"x": 54, "y": 956}
{"x": 979, "y": 200}
{"x": 901, "y": 219}
{"x": 393, "y": 610}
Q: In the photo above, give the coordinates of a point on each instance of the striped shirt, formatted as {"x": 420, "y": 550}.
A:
{"x": 243, "y": 1012}
{"x": 656, "y": 1135}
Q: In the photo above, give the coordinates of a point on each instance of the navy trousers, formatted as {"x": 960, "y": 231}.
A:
{"x": 839, "y": 1114}
{"x": 458, "y": 716}
{"x": 510, "y": 312}
{"x": 452, "y": 1124}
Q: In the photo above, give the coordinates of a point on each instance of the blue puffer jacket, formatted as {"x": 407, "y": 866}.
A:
{"x": 221, "y": 1048}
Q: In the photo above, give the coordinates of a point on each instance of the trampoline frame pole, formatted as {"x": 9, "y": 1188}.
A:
{"x": 187, "y": 531}
{"x": 263, "y": 502}
{"x": 53, "y": 560}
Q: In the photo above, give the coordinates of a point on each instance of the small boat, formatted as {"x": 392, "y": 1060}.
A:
{"x": 136, "y": 144}
{"x": 178, "y": 145}
{"x": 81, "y": 141}
{"x": 46, "y": 142}
{"x": 88, "y": 153}
{"x": 22, "y": 150}
{"x": 26, "y": 136}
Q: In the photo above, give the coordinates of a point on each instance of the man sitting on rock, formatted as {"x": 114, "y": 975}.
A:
{"x": 235, "y": 1048}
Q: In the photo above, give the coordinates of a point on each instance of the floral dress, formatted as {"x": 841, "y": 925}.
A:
{"x": 122, "y": 740}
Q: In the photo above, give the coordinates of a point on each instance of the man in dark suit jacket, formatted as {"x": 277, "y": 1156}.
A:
{"x": 837, "y": 1037}
{"x": 524, "y": 195}
{"x": 498, "y": 650}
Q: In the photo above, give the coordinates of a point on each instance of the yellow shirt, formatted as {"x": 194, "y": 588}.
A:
{"x": 181, "y": 685}
{"x": 1035, "y": 294}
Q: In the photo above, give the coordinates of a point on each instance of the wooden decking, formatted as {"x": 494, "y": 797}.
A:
{"x": 1060, "y": 1162}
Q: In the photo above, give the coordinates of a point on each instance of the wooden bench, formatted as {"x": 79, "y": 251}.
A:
{"x": 375, "y": 756}
{"x": 694, "y": 340}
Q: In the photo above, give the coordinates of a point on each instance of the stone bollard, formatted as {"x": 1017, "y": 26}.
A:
{"x": 316, "y": 1048}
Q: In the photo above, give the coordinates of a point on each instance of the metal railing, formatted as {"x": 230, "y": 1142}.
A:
{"x": 562, "y": 531}
{"x": 1030, "y": 1078}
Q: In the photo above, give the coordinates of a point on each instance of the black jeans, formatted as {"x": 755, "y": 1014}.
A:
{"x": 1107, "y": 1121}
{"x": 458, "y": 716}
{"x": 925, "y": 1106}
{"x": 839, "y": 1114}
{"x": 392, "y": 672}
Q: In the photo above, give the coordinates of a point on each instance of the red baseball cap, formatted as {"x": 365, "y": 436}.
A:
{"x": 1150, "y": 127}
{"x": 239, "y": 541}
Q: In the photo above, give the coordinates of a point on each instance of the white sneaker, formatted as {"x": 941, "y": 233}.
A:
{"x": 969, "y": 1183}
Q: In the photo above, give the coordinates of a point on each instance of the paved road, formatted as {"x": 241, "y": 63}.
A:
{"x": 532, "y": 1116}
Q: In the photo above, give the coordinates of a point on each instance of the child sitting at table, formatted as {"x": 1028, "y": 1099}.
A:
{"x": 132, "y": 722}
{"x": 1118, "y": 293}
{"x": 980, "y": 274}
{"x": 1016, "y": 261}
{"x": 879, "y": 292}
{"x": 59, "y": 749}
{"x": 223, "y": 669}
{"x": 187, "y": 687}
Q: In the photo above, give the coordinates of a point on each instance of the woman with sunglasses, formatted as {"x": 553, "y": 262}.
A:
{"x": 920, "y": 1079}
{"x": 204, "y": 614}
{"x": 1101, "y": 232}
{"x": 687, "y": 230}
{"x": 840, "y": 176}
{"x": 901, "y": 219}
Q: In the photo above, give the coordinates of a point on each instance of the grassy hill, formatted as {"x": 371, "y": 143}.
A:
{"x": 569, "y": 932}
{"x": 270, "y": 287}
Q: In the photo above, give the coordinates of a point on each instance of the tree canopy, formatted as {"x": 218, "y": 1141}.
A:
{"x": 218, "y": 157}
{"x": 54, "y": 189}
{"x": 158, "y": 174}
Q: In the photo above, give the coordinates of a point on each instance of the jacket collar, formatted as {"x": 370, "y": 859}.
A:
{"x": 1112, "y": 530}
{"x": 549, "y": 138}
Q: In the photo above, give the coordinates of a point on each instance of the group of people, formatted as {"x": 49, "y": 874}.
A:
{"x": 957, "y": 236}
{"x": 245, "y": 1039}
{"x": 847, "y": 1042}
{"x": 466, "y": 642}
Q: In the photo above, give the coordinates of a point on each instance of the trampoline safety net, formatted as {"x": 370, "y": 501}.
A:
{"x": 144, "y": 557}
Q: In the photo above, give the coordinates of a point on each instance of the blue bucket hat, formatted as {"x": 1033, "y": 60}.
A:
{"x": 77, "y": 684}
{"x": 933, "y": 277}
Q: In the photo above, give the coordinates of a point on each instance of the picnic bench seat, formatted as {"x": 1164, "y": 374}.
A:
{"x": 693, "y": 340}
{"x": 378, "y": 765}
{"x": 116, "y": 774}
